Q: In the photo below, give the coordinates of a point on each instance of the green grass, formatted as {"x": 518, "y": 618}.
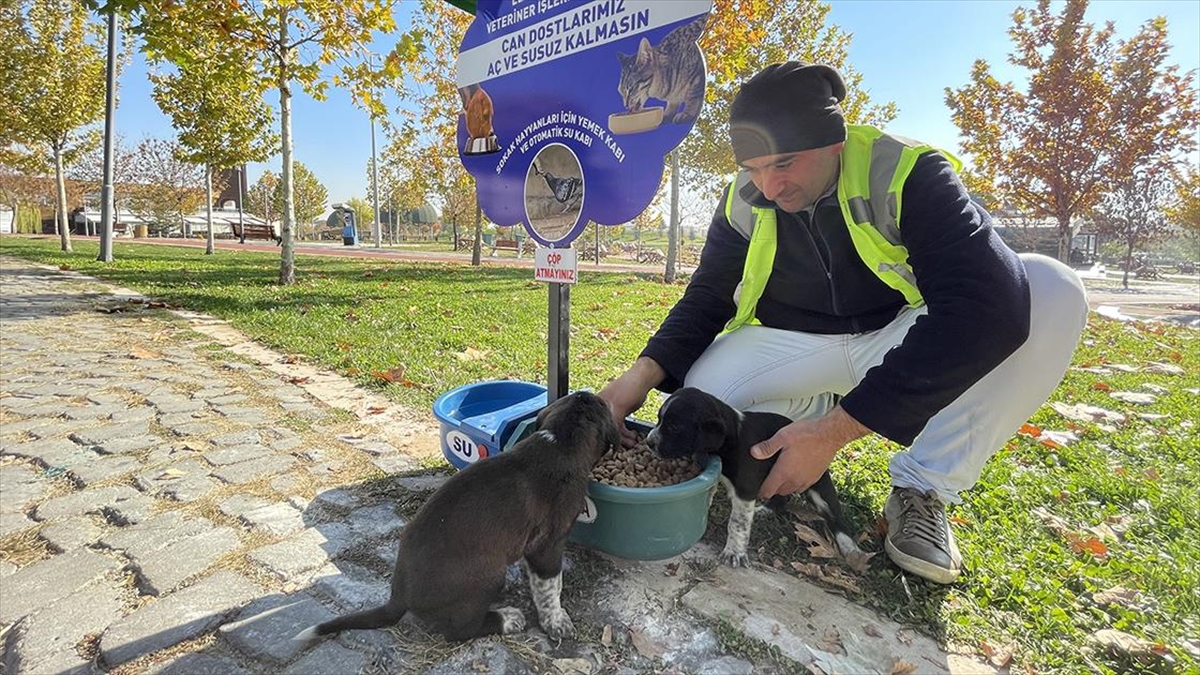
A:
{"x": 1026, "y": 586}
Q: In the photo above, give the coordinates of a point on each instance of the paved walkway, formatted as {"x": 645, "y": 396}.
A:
{"x": 177, "y": 499}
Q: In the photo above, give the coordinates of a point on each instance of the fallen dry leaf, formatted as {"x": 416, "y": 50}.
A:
{"x": 291, "y": 358}
{"x": 1058, "y": 439}
{"x": 872, "y": 630}
{"x": 395, "y": 374}
{"x": 566, "y": 666}
{"x": 1093, "y": 545}
{"x": 836, "y": 577}
{"x": 606, "y": 635}
{"x": 1164, "y": 368}
{"x": 1055, "y": 523}
{"x": 1105, "y": 531}
{"x": 471, "y": 354}
{"x": 171, "y": 474}
{"x": 644, "y": 645}
{"x": 1134, "y": 397}
{"x": 299, "y": 380}
{"x": 139, "y": 353}
{"x": 1118, "y": 595}
{"x": 1120, "y": 643}
{"x": 997, "y": 655}
{"x": 818, "y": 546}
{"x": 1087, "y": 413}
{"x": 808, "y": 569}
{"x": 1031, "y": 430}
{"x": 902, "y": 667}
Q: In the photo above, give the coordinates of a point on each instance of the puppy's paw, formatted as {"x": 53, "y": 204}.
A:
{"x": 512, "y": 620}
{"x": 735, "y": 557}
{"x": 557, "y": 624}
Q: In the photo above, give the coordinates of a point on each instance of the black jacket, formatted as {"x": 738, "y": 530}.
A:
{"x": 974, "y": 285}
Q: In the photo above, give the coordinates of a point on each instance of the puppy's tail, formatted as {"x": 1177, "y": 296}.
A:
{"x": 378, "y": 617}
{"x": 384, "y": 615}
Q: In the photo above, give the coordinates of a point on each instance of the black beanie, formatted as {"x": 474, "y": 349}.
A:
{"x": 787, "y": 107}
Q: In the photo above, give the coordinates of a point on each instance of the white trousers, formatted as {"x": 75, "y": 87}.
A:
{"x": 800, "y": 375}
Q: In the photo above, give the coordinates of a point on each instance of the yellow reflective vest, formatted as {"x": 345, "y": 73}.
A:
{"x": 874, "y": 166}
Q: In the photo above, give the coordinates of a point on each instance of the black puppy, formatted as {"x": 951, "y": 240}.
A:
{"x": 518, "y": 504}
{"x": 692, "y": 422}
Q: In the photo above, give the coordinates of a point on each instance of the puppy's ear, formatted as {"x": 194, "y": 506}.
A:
{"x": 612, "y": 435}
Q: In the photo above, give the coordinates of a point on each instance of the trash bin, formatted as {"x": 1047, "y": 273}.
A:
{"x": 141, "y": 231}
{"x": 487, "y": 238}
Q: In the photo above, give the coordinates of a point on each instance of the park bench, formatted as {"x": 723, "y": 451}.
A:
{"x": 505, "y": 245}
{"x": 651, "y": 255}
{"x": 254, "y": 231}
{"x": 588, "y": 252}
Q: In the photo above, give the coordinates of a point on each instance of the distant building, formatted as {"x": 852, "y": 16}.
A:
{"x": 234, "y": 186}
{"x": 1027, "y": 234}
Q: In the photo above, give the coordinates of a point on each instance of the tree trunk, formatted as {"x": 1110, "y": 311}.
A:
{"x": 287, "y": 266}
{"x": 208, "y": 237}
{"x": 64, "y": 233}
{"x": 477, "y": 247}
{"x": 673, "y": 226}
{"x": 1064, "y": 238}
{"x": 1127, "y": 265}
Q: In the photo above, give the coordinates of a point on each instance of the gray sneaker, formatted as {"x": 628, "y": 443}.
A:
{"x": 919, "y": 539}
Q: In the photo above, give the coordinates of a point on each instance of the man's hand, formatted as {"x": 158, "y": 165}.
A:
{"x": 628, "y": 392}
{"x": 807, "y": 449}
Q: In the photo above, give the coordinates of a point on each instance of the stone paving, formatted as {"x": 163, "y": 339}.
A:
{"x": 176, "y": 499}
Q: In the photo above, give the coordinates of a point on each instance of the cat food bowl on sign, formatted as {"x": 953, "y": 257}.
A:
{"x": 477, "y": 419}
{"x": 641, "y": 523}
{"x": 645, "y": 119}
{"x": 480, "y": 146}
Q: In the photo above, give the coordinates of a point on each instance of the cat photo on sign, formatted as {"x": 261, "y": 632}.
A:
{"x": 553, "y": 192}
{"x": 671, "y": 72}
{"x": 477, "y": 106}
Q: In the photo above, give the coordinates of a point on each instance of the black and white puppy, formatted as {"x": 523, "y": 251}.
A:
{"x": 694, "y": 423}
{"x": 513, "y": 506}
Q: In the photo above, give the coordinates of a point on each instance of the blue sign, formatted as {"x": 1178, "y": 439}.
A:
{"x": 571, "y": 105}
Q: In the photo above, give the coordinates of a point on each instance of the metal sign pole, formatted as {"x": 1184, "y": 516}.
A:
{"x": 557, "y": 357}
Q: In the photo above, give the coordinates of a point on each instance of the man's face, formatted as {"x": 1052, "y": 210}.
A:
{"x": 795, "y": 180}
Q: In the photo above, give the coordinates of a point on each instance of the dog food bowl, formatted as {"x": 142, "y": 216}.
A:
{"x": 478, "y": 419}
{"x": 482, "y": 145}
{"x": 641, "y": 523}
{"x": 635, "y": 122}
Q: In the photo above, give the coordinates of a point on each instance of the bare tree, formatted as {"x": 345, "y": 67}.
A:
{"x": 164, "y": 187}
{"x": 1135, "y": 213}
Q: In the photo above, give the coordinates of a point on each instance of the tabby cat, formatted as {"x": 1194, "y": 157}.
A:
{"x": 672, "y": 71}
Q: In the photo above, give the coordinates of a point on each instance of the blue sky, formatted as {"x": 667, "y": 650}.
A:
{"x": 907, "y": 51}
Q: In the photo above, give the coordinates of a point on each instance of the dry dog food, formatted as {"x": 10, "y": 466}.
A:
{"x": 640, "y": 467}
